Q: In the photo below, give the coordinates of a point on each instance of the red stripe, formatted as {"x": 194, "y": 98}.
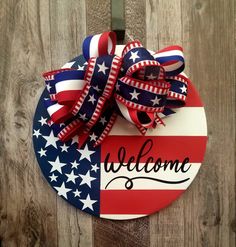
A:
{"x": 171, "y": 48}
{"x": 136, "y": 120}
{"x": 193, "y": 99}
{"x": 170, "y": 62}
{"x": 68, "y": 96}
{"x": 61, "y": 115}
{"x": 103, "y": 43}
{"x": 164, "y": 147}
{"x": 136, "y": 201}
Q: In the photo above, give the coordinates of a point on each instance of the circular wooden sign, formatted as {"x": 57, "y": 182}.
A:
{"x": 128, "y": 176}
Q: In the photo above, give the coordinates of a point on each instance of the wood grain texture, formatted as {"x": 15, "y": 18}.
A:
{"x": 68, "y": 29}
{"x": 205, "y": 214}
{"x": 167, "y": 227}
{"x": 35, "y": 36}
{"x": 135, "y": 27}
{"x": 42, "y": 35}
{"x": 98, "y": 16}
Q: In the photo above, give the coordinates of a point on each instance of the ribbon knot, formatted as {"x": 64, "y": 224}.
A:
{"x": 140, "y": 86}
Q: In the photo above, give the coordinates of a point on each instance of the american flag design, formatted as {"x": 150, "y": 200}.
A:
{"x": 128, "y": 175}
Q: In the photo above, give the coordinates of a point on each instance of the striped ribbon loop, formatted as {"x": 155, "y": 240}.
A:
{"x": 178, "y": 90}
{"x": 136, "y": 59}
{"x": 101, "y": 76}
{"x": 142, "y": 96}
{"x": 58, "y": 113}
{"x": 99, "y": 45}
{"x": 69, "y": 85}
{"x": 141, "y": 86}
{"x": 172, "y": 59}
{"x": 50, "y": 82}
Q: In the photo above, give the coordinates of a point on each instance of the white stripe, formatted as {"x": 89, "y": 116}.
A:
{"x": 169, "y": 53}
{"x": 119, "y": 49}
{"x": 146, "y": 184}
{"x": 93, "y": 48}
{"x": 187, "y": 121}
{"x": 53, "y": 108}
{"x": 110, "y": 45}
{"x": 69, "y": 85}
{"x": 124, "y": 112}
{"x": 121, "y": 216}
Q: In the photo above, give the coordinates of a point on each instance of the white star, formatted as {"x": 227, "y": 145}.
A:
{"x": 93, "y": 137}
{"x": 183, "y": 89}
{"x": 48, "y": 87}
{"x": 94, "y": 168}
{"x": 42, "y": 152}
{"x": 43, "y": 121}
{"x": 151, "y": 77}
{"x": 64, "y": 148}
{"x": 103, "y": 120}
{"x": 86, "y": 179}
{"x": 71, "y": 177}
{"x": 92, "y": 99}
{"x": 62, "y": 190}
{"x": 51, "y": 140}
{"x": 74, "y": 140}
{"x": 56, "y": 165}
{"x": 83, "y": 117}
{"x": 134, "y": 56}
{"x": 88, "y": 203}
{"x": 85, "y": 63}
{"x": 97, "y": 88}
{"x": 85, "y": 153}
{"x": 74, "y": 164}
{"x": 68, "y": 65}
{"x": 62, "y": 125}
{"x": 156, "y": 101}
{"x": 102, "y": 68}
{"x": 37, "y": 133}
{"x": 117, "y": 86}
{"x": 77, "y": 193}
{"x": 53, "y": 177}
{"x": 134, "y": 95}
{"x": 80, "y": 67}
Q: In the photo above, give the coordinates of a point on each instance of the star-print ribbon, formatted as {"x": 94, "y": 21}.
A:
{"x": 141, "y": 86}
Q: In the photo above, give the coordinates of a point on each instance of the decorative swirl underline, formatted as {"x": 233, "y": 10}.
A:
{"x": 129, "y": 183}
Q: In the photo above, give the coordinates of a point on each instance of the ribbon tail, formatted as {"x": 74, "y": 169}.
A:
{"x": 178, "y": 91}
{"x": 107, "y": 129}
{"x": 56, "y": 128}
{"x": 97, "y": 134}
{"x": 82, "y": 138}
{"x": 167, "y": 112}
{"x": 158, "y": 120}
{"x": 141, "y": 129}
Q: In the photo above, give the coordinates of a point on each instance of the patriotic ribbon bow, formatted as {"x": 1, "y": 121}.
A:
{"x": 140, "y": 86}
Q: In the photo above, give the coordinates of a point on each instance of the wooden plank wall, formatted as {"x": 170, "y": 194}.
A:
{"x": 205, "y": 216}
{"x": 41, "y": 35}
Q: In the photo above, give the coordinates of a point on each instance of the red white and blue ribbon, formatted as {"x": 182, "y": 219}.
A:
{"x": 140, "y": 86}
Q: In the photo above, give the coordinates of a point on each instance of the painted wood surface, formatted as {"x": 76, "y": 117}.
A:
{"x": 42, "y": 35}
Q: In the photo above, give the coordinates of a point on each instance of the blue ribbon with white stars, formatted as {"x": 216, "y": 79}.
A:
{"x": 140, "y": 85}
